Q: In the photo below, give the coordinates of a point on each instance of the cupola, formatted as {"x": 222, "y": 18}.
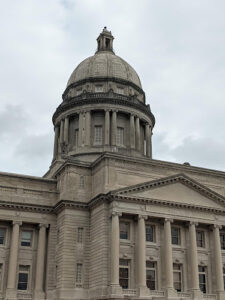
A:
{"x": 105, "y": 41}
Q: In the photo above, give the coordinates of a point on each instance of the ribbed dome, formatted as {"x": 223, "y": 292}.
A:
{"x": 104, "y": 64}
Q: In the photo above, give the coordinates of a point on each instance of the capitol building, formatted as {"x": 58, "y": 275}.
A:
{"x": 107, "y": 221}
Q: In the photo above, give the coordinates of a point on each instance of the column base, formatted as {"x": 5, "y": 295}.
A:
{"x": 115, "y": 291}
{"x": 143, "y": 291}
{"x": 220, "y": 295}
{"x": 11, "y": 294}
{"x": 39, "y": 295}
{"x": 170, "y": 293}
{"x": 196, "y": 294}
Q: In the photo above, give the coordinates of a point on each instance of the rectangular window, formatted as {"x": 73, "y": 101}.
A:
{"x": 23, "y": 277}
{"x": 79, "y": 273}
{"x": 2, "y": 236}
{"x": 150, "y": 233}
{"x": 151, "y": 275}
{"x": 26, "y": 237}
{"x": 98, "y": 135}
{"x": 175, "y": 235}
{"x": 124, "y": 273}
{"x": 120, "y": 136}
{"x": 200, "y": 237}
{"x": 80, "y": 235}
{"x": 76, "y": 137}
{"x": 120, "y": 90}
{"x": 124, "y": 230}
{"x": 98, "y": 88}
{"x": 222, "y": 240}
{"x": 78, "y": 92}
{"x": 177, "y": 277}
{"x": 202, "y": 278}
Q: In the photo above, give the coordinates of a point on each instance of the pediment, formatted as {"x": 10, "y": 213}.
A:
{"x": 178, "y": 189}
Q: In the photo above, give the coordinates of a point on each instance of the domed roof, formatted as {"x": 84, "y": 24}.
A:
{"x": 104, "y": 64}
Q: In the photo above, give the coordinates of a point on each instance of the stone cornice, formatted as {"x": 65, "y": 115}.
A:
{"x": 103, "y": 98}
{"x": 26, "y": 207}
{"x": 102, "y": 79}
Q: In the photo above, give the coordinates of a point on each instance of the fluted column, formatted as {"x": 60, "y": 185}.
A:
{"x": 138, "y": 134}
{"x": 40, "y": 261}
{"x": 132, "y": 132}
{"x": 115, "y": 248}
{"x": 168, "y": 260}
{"x": 88, "y": 128}
{"x": 141, "y": 251}
{"x": 107, "y": 127}
{"x": 218, "y": 259}
{"x": 193, "y": 256}
{"x": 66, "y": 130}
{"x": 114, "y": 127}
{"x": 13, "y": 256}
{"x": 56, "y": 142}
{"x": 147, "y": 138}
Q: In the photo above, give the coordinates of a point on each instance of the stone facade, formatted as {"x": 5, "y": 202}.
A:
{"x": 107, "y": 221}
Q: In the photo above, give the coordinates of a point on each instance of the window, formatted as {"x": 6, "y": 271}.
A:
{"x": 175, "y": 235}
{"x": 78, "y": 92}
{"x": 81, "y": 181}
{"x": 98, "y": 88}
{"x": 80, "y": 234}
{"x": 124, "y": 273}
{"x": 26, "y": 237}
{"x": 23, "y": 277}
{"x": 151, "y": 275}
{"x": 202, "y": 278}
{"x": 98, "y": 135}
{"x": 120, "y": 90}
{"x": 200, "y": 237}
{"x": 150, "y": 233}
{"x": 2, "y": 236}
{"x": 120, "y": 136}
{"x": 79, "y": 273}
{"x": 177, "y": 277}
{"x": 222, "y": 240}
{"x": 124, "y": 230}
{"x": 76, "y": 137}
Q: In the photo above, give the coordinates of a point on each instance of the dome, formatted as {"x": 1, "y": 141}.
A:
{"x": 104, "y": 64}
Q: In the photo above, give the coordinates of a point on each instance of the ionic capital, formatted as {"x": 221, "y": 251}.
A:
{"x": 43, "y": 225}
{"x": 142, "y": 217}
{"x": 217, "y": 226}
{"x": 17, "y": 223}
{"x": 170, "y": 220}
{"x": 116, "y": 213}
{"x": 193, "y": 223}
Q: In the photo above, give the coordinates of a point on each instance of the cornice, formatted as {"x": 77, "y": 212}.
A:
{"x": 26, "y": 207}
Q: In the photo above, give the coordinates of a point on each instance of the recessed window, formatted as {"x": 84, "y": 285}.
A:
{"x": 177, "y": 277}
{"x": 200, "y": 237}
{"x": 150, "y": 233}
{"x": 76, "y": 136}
{"x": 98, "y": 135}
{"x": 151, "y": 275}
{"x": 80, "y": 231}
{"x": 124, "y": 273}
{"x": 23, "y": 277}
{"x": 2, "y": 236}
{"x": 120, "y": 136}
{"x": 175, "y": 235}
{"x": 202, "y": 278}
{"x": 26, "y": 237}
{"x": 124, "y": 230}
{"x": 99, "y": 88}
{"x": 120, "y": 90}
{"x": 222, "y": 240}
{"x": 79, "y": 273}
{"x": 81, "y": 181}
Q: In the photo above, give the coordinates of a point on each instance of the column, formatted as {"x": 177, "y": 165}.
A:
{"x": 80, "y": 133}
{"x": 107, "y": 127}
{"x": 141, "y": 261}
{"x": 138, "y": 134}
{"x": 193, "y": 256}
{"x": 147, "y": 138}
{"x": 150, "y": 142}
{"x": 13, "y": 255}
{"x": 88, "y": 128}
{"x": 218, "y": 259}
{"x": 114, "y": 127}
{"x": 66, "y": 131}
{"x": 132, "y": 132}
{"x": 115, "y": 249}
{"x": 56, "y": 142}
{"x": 168, "y": 259}
{"x": 61, "y": 132}
{"x": 40, "y": 261}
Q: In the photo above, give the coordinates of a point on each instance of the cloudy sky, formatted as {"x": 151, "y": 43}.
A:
{"x": 176, "y": 46}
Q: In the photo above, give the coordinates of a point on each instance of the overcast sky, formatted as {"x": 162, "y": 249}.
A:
{"x": 176, "y": 46}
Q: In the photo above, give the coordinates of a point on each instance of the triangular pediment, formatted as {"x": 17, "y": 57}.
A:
{"x": 178, "y": 189}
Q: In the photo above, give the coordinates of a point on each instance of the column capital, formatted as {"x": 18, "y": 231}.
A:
{"x": 17, "y": 223}
{"x": 116, "y": 213}
{"x": 107, "y": 109}
{"x": 142, "y": 217}
{"x": 217, "y": 226}
{"x": 40, "y": 225}
{"x": 170, "y": 220}
{"x": 115, "y": 110}
{"x": 193, "y": 223}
